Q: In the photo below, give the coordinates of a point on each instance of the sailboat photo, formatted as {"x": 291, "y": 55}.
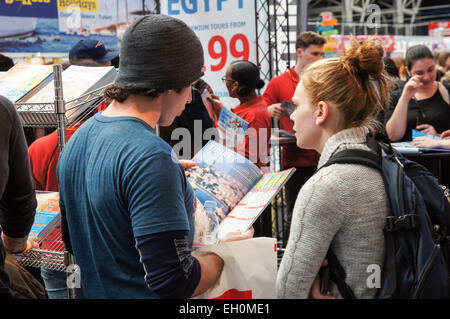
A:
{"x": 110, "y": 19}
{"x": 17, "y": 27}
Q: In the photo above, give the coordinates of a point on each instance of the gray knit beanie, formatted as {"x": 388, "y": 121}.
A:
{"x": 159, "y": 52}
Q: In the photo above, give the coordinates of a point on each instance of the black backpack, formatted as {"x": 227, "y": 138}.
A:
{"x": 417, "y": 254}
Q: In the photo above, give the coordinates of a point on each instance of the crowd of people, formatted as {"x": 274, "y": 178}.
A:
{"x": 127, "y": 206}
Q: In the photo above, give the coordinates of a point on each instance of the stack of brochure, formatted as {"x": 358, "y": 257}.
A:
{"x": 48, "y": 215}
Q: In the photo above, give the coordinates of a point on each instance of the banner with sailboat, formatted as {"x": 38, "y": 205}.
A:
{"x": 56, "y": 25}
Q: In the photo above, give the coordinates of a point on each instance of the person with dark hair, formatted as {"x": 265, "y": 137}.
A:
{"x": 242, "y": 79}
{"x": 6, "y": 63}
{"x": 309, "y": 48}
{"x": 194, "y": 114}
{"x": 390, "y": 67}
{"x": 201, "y": 85}
{"x": 126, "y": 205}
{"x": 343, "y": 206}
{"x": 422, "y": 103}
{"x": 205, "y": 91}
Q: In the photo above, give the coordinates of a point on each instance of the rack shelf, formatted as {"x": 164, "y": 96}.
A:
{"x": 43, "y": 115}
{"x": 51, "y": 255}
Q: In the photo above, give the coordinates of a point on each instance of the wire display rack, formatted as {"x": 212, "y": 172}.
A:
{"x": 52, "y": 253}
{"x": 43, "y": 115}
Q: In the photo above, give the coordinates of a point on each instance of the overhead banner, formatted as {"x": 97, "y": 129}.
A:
{"x": 55, "y": 26}
{"x": 29, "y": 8}
{"x": 102, "y": 17}
{"x": 394, "y": 45}
{"x": 439, "y": 29}
{"x": 227, "y": 31}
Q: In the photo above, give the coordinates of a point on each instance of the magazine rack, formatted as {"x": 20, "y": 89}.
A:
{"x": 52, "y": 253}
{"x": 43, "y": 115}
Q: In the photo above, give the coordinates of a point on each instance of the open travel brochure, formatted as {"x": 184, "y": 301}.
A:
{"x": 24, "y": 80}
{"x": 238, "y": 188}
{"x": 231, "y": 128}
{"x": 76, "y": 81}
{"x": 48, "y": 215}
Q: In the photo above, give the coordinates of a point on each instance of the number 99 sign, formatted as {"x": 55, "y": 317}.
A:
{"x": 239, "y": 47}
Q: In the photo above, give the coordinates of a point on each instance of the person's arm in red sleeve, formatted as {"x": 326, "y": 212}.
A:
{"x": 271, "y": 98}
{"x": 271, "y": 93}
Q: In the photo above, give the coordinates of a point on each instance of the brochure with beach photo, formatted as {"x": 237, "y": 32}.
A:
{"x": 231, "y": 127}
{"x": 48, "y": 215}
{"x": 238, "y": 187}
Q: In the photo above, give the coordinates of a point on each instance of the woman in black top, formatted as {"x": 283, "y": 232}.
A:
{"x": 422, "y": 103}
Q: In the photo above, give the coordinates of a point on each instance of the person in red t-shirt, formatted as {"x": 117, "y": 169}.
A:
{"x": 309, "y": 48}
{"x": 242, "y": 80}
{"x": 44, "y": 154}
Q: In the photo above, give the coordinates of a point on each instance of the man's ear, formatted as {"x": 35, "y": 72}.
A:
{"x": 322, "y": 113}
{"x": 299, "y": 52}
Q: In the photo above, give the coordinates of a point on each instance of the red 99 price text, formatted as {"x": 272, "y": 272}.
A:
{"x": 238, "y": 47}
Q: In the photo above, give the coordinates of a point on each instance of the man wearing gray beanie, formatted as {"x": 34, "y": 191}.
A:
{"x": 126, "y": 204}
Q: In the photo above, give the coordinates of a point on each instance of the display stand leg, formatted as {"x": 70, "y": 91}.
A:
{"x": 73, "y": 275}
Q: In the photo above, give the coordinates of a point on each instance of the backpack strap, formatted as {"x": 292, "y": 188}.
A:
{"x": 389, "y": 273}
{"x": 337, "y": 275}
{"x": 355, "y": 156}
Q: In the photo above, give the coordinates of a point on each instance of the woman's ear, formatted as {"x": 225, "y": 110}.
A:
{"x": 235, "y": 87}
{"x": 322, "y": 113}
{"x": 407, "y": 71}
